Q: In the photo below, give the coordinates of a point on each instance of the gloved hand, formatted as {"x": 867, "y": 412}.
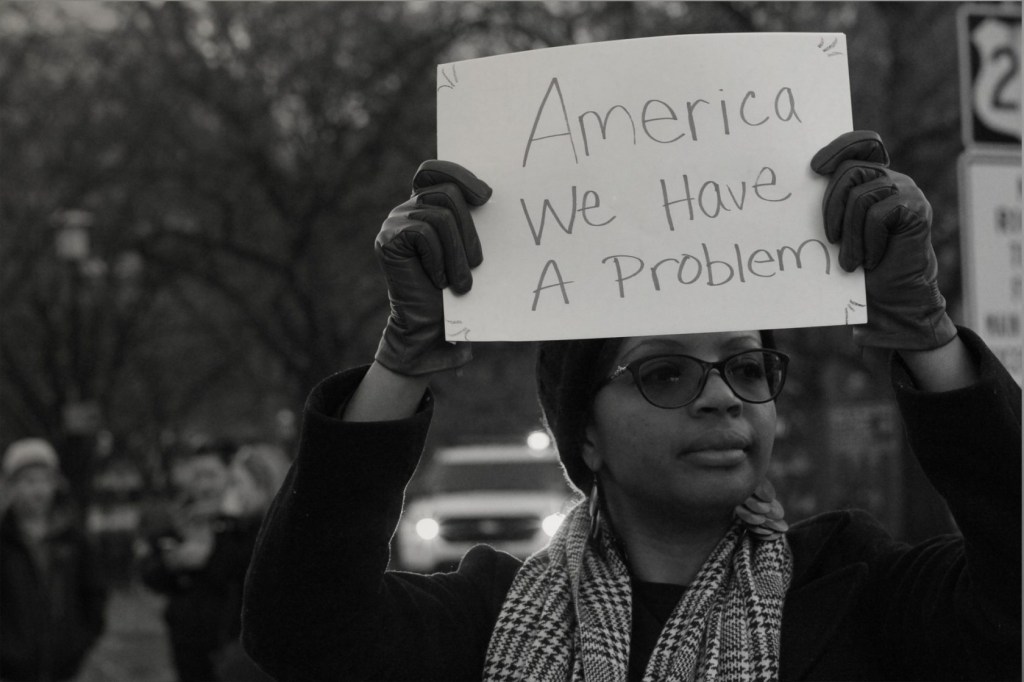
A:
{"x": 426, "y": 244}
{"x": 882, "y": 221}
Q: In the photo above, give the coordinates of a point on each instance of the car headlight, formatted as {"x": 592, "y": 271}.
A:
{"x": 427, "y": 528}
{"x": 551, "y": 523}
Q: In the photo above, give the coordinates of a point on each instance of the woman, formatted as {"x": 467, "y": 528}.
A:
{"x": 653, "y": 577}
{"x": 52, "y": 593}
{"x": 255, "y": 474}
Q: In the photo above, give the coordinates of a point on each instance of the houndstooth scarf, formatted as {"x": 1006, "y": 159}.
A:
{"x": 568, "y": 614}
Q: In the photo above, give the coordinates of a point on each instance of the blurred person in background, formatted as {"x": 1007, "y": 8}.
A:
{"x": 52, "y": 596}
{"x": 678, "y": 565}
{"x": 255, "y": 475}
{"x": 190, "y": 553}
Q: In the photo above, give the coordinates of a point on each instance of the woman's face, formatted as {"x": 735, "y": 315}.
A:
{"x": 244, "y": 496}
{"x": 33, "y": 491}
{"x": 693, "y": 462}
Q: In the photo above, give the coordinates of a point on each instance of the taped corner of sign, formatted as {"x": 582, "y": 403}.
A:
{"x": 447, "y": 77}
{"x": 855, "y": 312}
{"x": 455, "y": 331}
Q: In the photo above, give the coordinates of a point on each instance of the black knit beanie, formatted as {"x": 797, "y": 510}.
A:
{"x": 568, "y": 373}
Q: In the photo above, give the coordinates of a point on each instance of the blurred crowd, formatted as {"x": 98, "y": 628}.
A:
{"x": 193, "y": 548}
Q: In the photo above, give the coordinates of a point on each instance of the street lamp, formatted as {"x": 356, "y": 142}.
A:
{"x": 81, "y": 417}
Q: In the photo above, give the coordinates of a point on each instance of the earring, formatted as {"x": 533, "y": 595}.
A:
{"x": 762, "y": 513}
{"x": 594, "y": 508}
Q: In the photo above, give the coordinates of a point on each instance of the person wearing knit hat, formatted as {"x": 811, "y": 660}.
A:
{"x": 52, "y": 592}
{"x": 676, "y": 563}
{"x": 568, "y": 374}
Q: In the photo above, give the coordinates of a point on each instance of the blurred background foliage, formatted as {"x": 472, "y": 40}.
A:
{"x": 190, "y": 193}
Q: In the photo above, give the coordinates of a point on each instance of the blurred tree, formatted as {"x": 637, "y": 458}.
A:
{"x": 226, "y": 158}
{"x": 231, "y": 163}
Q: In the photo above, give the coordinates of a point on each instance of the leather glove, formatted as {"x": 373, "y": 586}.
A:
{"x": 426, "y": 244}
{"x": 882, "y": 221}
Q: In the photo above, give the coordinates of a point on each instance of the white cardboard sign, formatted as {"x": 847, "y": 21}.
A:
{"x": 650, "y": 186}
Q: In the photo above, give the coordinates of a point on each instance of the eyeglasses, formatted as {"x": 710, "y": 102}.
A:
{"x": 671, "y": 381}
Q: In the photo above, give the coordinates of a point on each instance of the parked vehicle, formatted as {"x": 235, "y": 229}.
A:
{"x": 511, "y": 497}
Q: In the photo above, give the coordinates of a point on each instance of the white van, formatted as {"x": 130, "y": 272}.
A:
{"x": 511, "y": 497}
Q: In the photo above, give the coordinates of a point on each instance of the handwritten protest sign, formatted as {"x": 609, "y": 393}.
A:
{"x": 650, "y": 186}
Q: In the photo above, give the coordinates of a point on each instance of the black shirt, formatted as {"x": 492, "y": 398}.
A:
{"x": 652, "y": 605}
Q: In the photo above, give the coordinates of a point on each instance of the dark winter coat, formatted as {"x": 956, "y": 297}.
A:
{"x": 861, "y": 606}
{"x": 48, "y": 620}
{"x": 203, "y": 611}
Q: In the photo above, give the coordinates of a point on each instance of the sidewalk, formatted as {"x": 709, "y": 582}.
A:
{"x": 134, "y": 647}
